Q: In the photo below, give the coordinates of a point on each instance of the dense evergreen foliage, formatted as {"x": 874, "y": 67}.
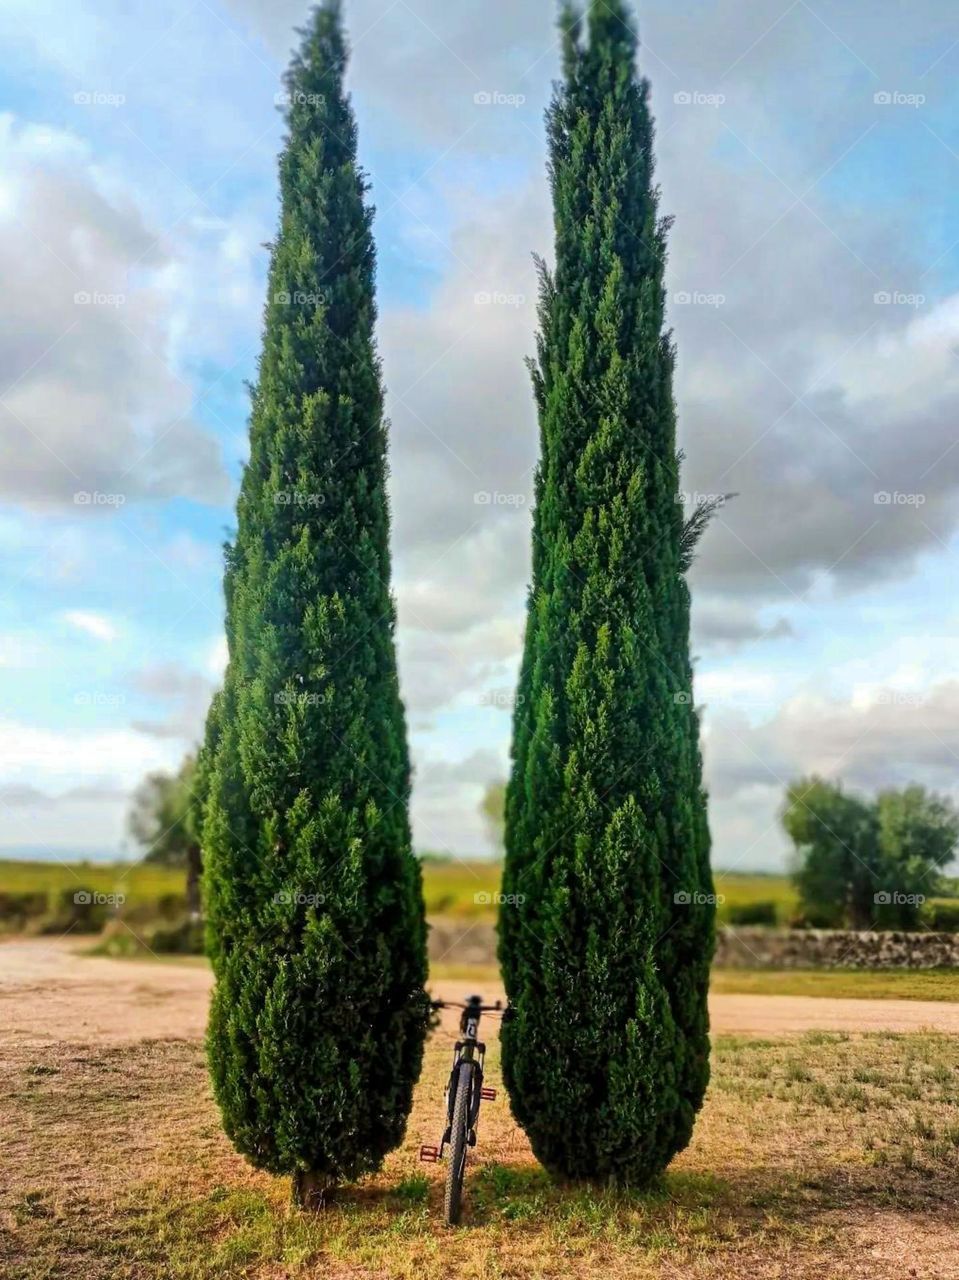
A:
{"x": 606, "y": 931}
{"x": 316, "y": 927}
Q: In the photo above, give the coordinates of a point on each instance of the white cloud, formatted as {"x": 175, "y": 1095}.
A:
{"x": 92, "y": 408}
{"x": 55, "y": 761}
{"x": 218, "y": 655}
{"x": 91, "y": 624}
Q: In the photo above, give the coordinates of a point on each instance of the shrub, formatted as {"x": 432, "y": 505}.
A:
{"x": 184, "y": 939}
{"x": 941, "y": 916}
{"x": 17, "y": 909}
{"x": 79, "y": 910}
{"x": 744, "y": 913}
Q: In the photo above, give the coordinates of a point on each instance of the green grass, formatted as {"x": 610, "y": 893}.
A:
{"x": 843, "y": 984}
{"x": 736, "y": 888}
{"x": 463, "y": 889}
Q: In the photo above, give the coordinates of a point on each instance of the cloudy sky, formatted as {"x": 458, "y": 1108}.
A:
{"x": 805, "y": 151}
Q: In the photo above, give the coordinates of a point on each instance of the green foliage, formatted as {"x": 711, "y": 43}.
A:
{"x": 80, "y": 909}
{"x": 838, "y": 861}
{"x": 316, "y": 927}
{"x": 493, "y": 811}
{"x": 159, "y": 818}
{"x": 18, "y": 908}
{"x": 763, "y": 912}
{"x": 166, "y": 818}
{"x": 941, "y": 916}
{"x": 606, "y": 932}
{"x": 917, "y": 835}
{"x": 867, "y": 864}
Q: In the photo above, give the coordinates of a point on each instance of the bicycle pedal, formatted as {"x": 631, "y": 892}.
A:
{"x": 488, "y": 1094}
{"x": 429, "y": 1154}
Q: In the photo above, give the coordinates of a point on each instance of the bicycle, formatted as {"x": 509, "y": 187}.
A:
{"x": 464, "y": 1094}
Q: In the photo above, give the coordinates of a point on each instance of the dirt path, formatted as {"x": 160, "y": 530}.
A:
{"x": 49, "y": 992}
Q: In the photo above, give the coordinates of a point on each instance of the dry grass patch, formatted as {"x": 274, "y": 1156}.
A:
{"x": 825, "y": 1155}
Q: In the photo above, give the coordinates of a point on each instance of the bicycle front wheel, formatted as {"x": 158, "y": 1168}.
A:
{"x": 459, "y": 1140}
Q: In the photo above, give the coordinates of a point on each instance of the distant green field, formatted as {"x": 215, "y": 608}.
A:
{"x": 468, "y": 890}
{"x": 465, "y": 889}
{"x": 137, "y": 882}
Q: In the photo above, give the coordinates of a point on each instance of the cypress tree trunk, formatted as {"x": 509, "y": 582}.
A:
{"x": 606, "y": 960}
{"x": 315, "y": 914}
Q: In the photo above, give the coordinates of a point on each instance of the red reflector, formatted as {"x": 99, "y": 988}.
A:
{"x": 488, "y": 1094}
{"x": 429, "y": 1154}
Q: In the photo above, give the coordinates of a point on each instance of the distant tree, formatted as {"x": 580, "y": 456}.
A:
{"x": 918, "y": 831}
{"x": 492, "y": 809}
{"x": 838, "y": 863}
{"x": 163, "y": 821}
{"x": 867, "y": 864}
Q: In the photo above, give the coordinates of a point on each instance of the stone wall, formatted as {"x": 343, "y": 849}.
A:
{"x": 754, "y": 948}
{"x": 454, "y": 941}
{"x": 462, "y": 942}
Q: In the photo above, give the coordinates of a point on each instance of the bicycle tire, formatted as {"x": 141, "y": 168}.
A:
{"x": 459, "y": 1134}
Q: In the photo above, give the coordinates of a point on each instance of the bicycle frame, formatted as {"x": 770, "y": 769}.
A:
{"x": 469, "y": 1048}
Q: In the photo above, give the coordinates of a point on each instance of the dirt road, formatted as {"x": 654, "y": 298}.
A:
{"x": 49, "y": 992}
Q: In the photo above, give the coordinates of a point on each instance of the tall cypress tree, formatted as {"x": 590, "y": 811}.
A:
{"x": 606, "y": 957}
{"x": 316, "y": 926}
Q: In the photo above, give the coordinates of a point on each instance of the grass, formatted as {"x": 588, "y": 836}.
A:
{"x": 844, "y": 984}
{"x": 809, "y": 1156}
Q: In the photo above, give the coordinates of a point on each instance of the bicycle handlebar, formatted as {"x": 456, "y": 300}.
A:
{"x": 459, "y": 1004}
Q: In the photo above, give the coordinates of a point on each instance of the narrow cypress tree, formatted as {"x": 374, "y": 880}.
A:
{"x": 316, "y": 927}
{"x": 606, "y": 959}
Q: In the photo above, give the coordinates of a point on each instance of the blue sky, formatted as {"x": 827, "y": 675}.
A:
{"x": 806, "y": 152}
